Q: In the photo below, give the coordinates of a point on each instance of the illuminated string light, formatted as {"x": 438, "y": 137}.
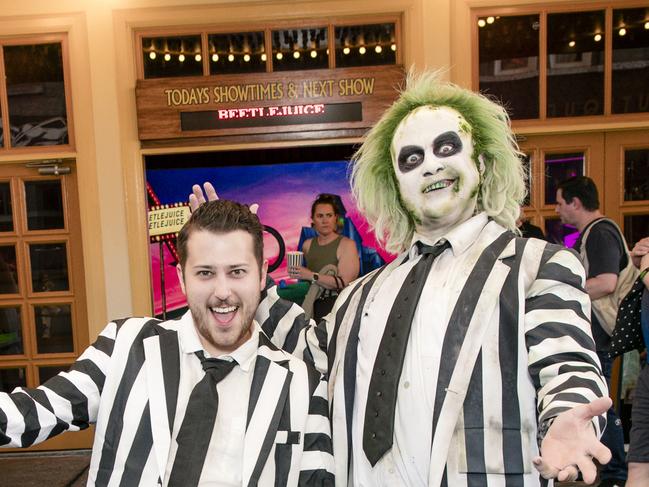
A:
{"x": 346, "y": 50}
{"x": 597, "y": 38}
{"x": 314, "y": 54}
{"x": 198, "y": 58}
{"x": 215, "y": 57}
{"x": 181, "y": 58}
{"x": 246, "y": 57}
{"x": 279, "y": 56}
{"x": 490, "y": 20}
{"x": 393, "y": 47}
{"x": 152, "y": 55}
{"x": 571, "y": 43}
{"x": 264, "y": 57}
{"x": 378, "y": 49}
{"x": 296, "y": 54}
{"x": 167, "y": 56}
{"x": 481, "y": 22}
{"x": 230, "y": 57}
{"x": 622, "y": 31}
{"x": 362, "y": 50}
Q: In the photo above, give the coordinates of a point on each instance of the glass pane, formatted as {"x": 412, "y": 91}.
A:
{"x": 36, "y": 92}
{"x": 44, "y": 205}
{"x": 365, "y": 45}
{"x": 237, "y": 53}
{"x": 12, "y": 378}
{"x": 6, "y": 217}
{"x": 46, "y": 373}
{"x": 53, "y": 328}
{"x": 575, "y": 64}
{"x": 11, "y": 334}
{"x": 559, "y": 167}
{"x": 526, "y": 160}
{"x": 166, "y": 57}
{"x": 561, "y": 234}
{"x": 630, "y": 60}
{"x": 509, "y": 62}
{"x": 636, "y": 227}
{"x": 636, "y": 174}
{"x": 297, "y": 49}
{"x": 49, "y": 264}
{"x": 8, "y": 270}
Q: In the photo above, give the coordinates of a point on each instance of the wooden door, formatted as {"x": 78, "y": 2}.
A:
{"x": 43, "y": 317}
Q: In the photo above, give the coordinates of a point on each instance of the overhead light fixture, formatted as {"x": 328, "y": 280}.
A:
{"x": 481, "y": 22}
{"x": 362, "y": 50}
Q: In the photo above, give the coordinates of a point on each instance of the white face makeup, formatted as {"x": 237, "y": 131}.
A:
{"x": 438, "y": 178}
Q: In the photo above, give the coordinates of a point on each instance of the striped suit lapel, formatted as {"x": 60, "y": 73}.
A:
{"x": 461, "y": 347}
{"x": 163, "y": 376}
{"x": 268, "y": 395}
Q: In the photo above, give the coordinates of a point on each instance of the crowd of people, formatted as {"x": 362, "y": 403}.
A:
{"x": 471, "y": 359}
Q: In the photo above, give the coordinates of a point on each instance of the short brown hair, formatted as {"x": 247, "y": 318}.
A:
{"x": 222, "y": 216}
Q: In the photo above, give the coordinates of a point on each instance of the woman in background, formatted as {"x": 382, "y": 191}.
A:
{"x": 332, "y": 260}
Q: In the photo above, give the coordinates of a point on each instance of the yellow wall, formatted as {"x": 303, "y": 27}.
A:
{"x": 436, "y": 34}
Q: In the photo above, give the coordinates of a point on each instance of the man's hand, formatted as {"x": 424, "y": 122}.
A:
{"x": 208, "y": 193}
{"x": 639, "y": 250}
{"x": 571, "y": 444}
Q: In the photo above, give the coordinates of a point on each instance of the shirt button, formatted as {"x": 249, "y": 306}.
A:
{"x": 391, "y": 471}
{"x": 406, "y": 384}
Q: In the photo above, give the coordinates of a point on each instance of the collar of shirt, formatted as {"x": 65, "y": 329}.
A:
{"x": 461, "y": 236}
{"x": 190, "y": 342}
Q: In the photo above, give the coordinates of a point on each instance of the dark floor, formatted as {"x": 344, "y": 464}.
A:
{"x": 64, "y": 469}
{"x": 60, "y": 469}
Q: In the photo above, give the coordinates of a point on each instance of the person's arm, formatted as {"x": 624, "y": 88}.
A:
{"x": 563, "y": 366}
{"x": 604, "y": 255}
{"x": 317, "y": 466}
{"x": 348, "y": 267}
{"x": 601, "y": 285}
{"x": 644, "y": 268}
{"x": 68, "y": 401}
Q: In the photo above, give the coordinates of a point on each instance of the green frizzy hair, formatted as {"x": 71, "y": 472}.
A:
{"x": 374, "y": 182}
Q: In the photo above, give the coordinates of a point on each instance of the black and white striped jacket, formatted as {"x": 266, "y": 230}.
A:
{"x": 127, "y": 383}
{"x": 524, "y": 354}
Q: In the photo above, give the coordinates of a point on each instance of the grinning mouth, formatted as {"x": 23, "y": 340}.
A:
{"x": 444, "y": 183}
{"x": 224, "y": 309}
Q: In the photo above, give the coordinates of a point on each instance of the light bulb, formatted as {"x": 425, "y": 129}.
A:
{"x": 152, "y": 55}
{"x": 490, "y": 20}
{"x": 198, "y": 58}
{"x": 646, "y": 25}
{"x": 215, "y": 57}
{"x": 181, "y": 58}
{"x": 597, "y": 38}
{"x": 362, "y": 50}
{"x": 378, "y": 49}
{"x": 481, "y": 22}
{"x": 264, "y": 57}
{"x": 314, "y": 54}
{"x": 622, "y": 31}
{"x": 230, "y": 57}
{"x": 246, "y": 57}
{"x": 346, "y": 50}
{"x": 279, "y": 56}
{"x": 296, "y": 54}
{"x": 571, "y": 43}
{"x": 393, "y": 47}
{"x": 167, "y": 56}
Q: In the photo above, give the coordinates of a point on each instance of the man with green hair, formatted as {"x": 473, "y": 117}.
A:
{"x": 468, "y": 360}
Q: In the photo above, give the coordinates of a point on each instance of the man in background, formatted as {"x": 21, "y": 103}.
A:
{"x": 603, "y": 253}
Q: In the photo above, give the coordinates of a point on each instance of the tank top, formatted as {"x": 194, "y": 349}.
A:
{"x": 319, "y": 256}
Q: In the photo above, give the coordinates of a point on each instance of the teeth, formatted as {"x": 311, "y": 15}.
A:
{"x": 445, "y": 183}
{"x": 224, "y": 310}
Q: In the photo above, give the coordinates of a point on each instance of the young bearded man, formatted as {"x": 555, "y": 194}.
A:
{"x": 447, "y": 364}
{"x": 203, "y": 400}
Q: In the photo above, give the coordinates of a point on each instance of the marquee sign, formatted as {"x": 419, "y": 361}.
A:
{"x": 313, "y": 101}
{"x": 165, "y": 221}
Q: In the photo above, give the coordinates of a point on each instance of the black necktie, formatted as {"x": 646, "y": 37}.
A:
{"x": 378, "y": 429}
{"x": 196, "y": 430}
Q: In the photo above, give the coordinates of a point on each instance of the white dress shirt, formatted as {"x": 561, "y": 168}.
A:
{"x": 224, "y": 460}
{"x": 407, "y": 463}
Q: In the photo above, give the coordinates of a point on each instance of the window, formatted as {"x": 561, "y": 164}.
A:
{"x": 36, "y": 100}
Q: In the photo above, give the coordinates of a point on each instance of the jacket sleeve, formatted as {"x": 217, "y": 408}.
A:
{"x": 563, "y": 364}
{"x": 68, "y": 401}
{"x": 317, "y": 467}
{"x": 287, "y": 327}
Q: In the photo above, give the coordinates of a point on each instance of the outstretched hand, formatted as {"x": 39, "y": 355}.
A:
{"x": 208, "y": 193}
{"x": 571, "y": 444}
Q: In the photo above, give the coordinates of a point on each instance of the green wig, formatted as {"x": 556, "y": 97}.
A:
{"x": 373, "y": 180}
